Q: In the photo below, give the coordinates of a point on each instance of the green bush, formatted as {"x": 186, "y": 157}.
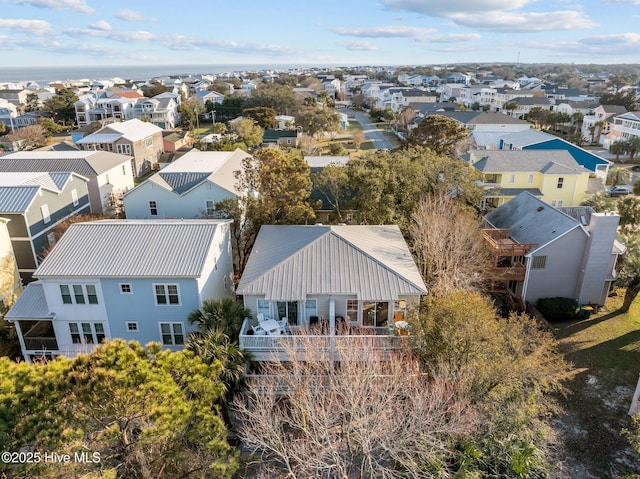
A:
{"x": 558, "y": 309}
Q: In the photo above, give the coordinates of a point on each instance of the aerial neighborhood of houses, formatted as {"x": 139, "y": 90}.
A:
{"x": 168, "y": 247}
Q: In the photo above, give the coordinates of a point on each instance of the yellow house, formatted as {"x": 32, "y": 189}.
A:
{"x": 550, "y": 175}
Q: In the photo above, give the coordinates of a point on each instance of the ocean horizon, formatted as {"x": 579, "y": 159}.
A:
{"x": 46, "y": 75}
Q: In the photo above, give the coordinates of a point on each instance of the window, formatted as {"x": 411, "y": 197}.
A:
{"x": 148, "y": 142}
{"x": 556, "y": 203}
{"x": 399, "y": 311}
{"x": 310, "y": 309}
{"x": 46, "y": 218}
{"x": 263, "y": 307}
{"x": 74, "y": 197}
{"x": 124, "y": 170}
{"x": 78, "y": 294}
{"x": 349, "y": 217}
{"x": 352, "y": 310}
{"x": 538, "y": 262}
{"x": 211, "y": 209}
{"x": 172, "y": 333}
{"x": 167, "y": 294}
{"x": 87, "y": 333}
{"x": 66, "y": 294}
{"x": 91, "y": 294}
{"x": 124, "y": 149}
{"x": 560, "y": 183}
{"x": 530, "y": 179}
{"x": 125, "y": 288}
{"x": 153, "y": 208}
{"x": 288, "y": 309}
{"x": 132, "y": 327}
{"x": 375, "y": 313}
{"x": 81, "y": 294}
{"x": 51, "y": 238}
{"x": 512, "y": 178}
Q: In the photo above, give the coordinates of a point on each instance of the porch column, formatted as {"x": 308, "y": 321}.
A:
{"x": 332, "y": 317}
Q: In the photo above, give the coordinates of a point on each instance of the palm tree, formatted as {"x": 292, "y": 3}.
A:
{"x": 214, "y": 346}
{"x": 618, "y": 176}
{"x": 599, "y": 202}
{"x": 510, "y": 106}
{"x": 577, "y": 118}
{"x": 599, "y": 127}
{"x": 629, "y": 211}
{"x": 225, "y": 316}
{"x": 630, "y": 273}
{"x": 633, "y": 146}
{"x": 618, "y": 148}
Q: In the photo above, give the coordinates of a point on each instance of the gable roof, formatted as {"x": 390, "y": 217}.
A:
{"x": 542, "y": 161}
{"x": 132, "y": 248}
{"x": 289, "y": 262}
{"x": 531, "y": 220}
{"x": 85, "y": 163}
{"x": 197, "y": 167}
{"x": 18, "y": 189}
{"x": 132, "y": 130}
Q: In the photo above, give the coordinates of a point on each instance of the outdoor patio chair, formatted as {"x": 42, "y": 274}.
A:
{"x": 260, "y": 317}
{"x": 284, "y": 322}
{"x": 258, "y": 330}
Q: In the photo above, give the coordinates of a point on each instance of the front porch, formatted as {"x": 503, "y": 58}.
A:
{"x": 318, "y": 342}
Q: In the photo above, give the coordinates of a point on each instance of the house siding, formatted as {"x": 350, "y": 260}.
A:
{"x": 140, "y": 307}
{"x": 170, "y": 205}
{"x": 559, "y": 277}
{"x": 217, "y": 277}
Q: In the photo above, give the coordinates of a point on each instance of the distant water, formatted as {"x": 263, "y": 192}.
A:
{"x": 45, "y": 75}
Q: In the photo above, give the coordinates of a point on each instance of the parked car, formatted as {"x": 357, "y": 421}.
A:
{"x": 619, "y": 191}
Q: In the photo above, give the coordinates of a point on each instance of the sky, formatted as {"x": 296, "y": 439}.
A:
{"x": 321, "y": 32}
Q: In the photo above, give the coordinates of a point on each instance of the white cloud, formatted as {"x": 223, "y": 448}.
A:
{"x": 363, "y": 46}
{"x": 186, "y": 43}
{"x": 390, "y": 31}
{"x": 76, "y": 5}
{"x": 100, "y": 25}
{"x": 33, "y": 27}
{"x": 438, "y": 8}
{"x": 416, "y": 33}
{"x": 130, "y": 15}
{"x": 121, "y": 36}
{"x": 525, "y": 22}
{"x": 633, "y": 2}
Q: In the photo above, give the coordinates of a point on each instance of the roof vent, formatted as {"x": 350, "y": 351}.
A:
{"x": 540, "y": 208}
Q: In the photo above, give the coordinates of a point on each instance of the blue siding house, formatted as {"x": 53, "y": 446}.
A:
{"x": 131, "y": 279}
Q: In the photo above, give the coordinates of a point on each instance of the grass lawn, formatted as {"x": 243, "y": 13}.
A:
{"x": 605, "y": 353}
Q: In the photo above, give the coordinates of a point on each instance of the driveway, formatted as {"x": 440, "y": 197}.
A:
{"x": 371, "y": 131}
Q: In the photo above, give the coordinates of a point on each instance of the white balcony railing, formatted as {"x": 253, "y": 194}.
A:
{"x": 306, "y": 343}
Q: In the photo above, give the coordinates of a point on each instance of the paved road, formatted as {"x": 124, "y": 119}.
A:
{"x": 371, "y": 131}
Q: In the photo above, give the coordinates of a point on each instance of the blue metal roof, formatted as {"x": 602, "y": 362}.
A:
{"x": 585, "y": 158}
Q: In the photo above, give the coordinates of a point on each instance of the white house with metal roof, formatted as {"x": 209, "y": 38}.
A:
{"x": 131, "y": 279}
{"x": 108, "y": 173}
{"x": 573, "y": 250}
{"x": 342, "y": 277}
{"x": 36, "y": 203}
{"x": 189, "y": 187}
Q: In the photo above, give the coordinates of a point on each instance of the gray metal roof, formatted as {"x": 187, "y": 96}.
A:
{"x": 132, "y": 248}
{"x": 196, "y": 167}
{"x": 99, "y": 138}
{"x": 16, "y": 199}
{"x": 531, "y": 220}
{"x": 495, "y": 118}
{"x": 527, "y": 137}
{"x": 512, "y": 192}
{"x": 289, "y": 262}
{"x": 541, "y": 161}
{"x": 85, "y": 163}
{"x": 182, "y": 182}
{"x": 31, "y": 304}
